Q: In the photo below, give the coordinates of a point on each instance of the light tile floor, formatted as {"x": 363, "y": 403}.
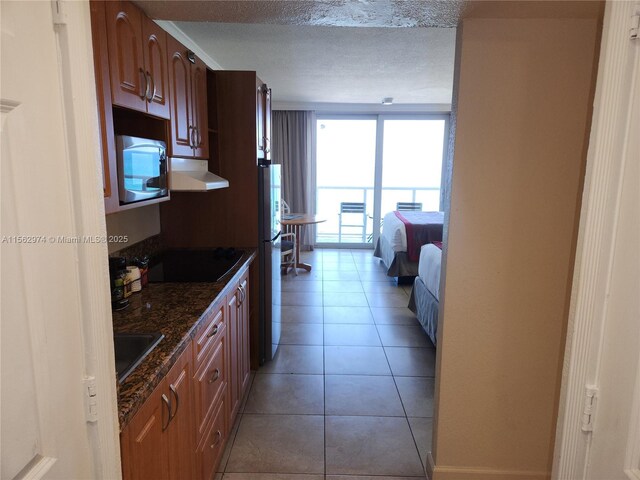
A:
{"x": 349, "y": 395}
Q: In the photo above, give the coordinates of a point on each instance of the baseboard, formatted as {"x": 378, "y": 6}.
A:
{"x": 430, "y": 466}
{"x": 463, "y": 473}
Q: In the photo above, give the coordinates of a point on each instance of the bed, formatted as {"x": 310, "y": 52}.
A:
{"x": 403, "y": 233}
{"x": 425, "y": 294}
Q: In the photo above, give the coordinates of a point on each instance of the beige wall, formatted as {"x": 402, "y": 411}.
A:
{"x": 521, "y": 118}
{"x": 135, "y": 224}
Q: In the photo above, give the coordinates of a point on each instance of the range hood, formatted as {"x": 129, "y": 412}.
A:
{"x": 189, "y": 175}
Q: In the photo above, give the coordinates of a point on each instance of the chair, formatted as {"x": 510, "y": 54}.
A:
{"x": 285, "y": 206}
{"x": 350, "y": 208}
{"x": 409, "y": 206}
{"x": 288, "y": 258}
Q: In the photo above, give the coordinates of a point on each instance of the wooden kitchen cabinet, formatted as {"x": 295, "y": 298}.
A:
{"x": 188, "y": 87}
{"x": 245, "y": 357}
{"x": 210, "y": 379}
{"x": 181, "y": 430}
{"x": 234, "y": 137}
{"x": 137, "y": 60}
{"x": 260, "y": 112}
{"x": 130, "y": 57}
{"x": 263, "y": 120}
{"x": 158, "y": 442}
{"x": 200, "y": 110}
{"x": 210, "y": 450}
{"x": 238, "y": 314}
{"x": 105, "y": 112}
{"x": 144, "y": 449}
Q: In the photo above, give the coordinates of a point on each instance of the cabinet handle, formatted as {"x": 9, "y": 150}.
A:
{"x": 267, "y": 149}
{"x": 199, "y": 137}
{"x": 216, "y": 375}
{"x": 213, "y": 331}
{"x": 244, "y": 293}
{"x": 217, "y": 440}
{"x": 195, "y": 137}
{"x": 191, "y": 137}
{"x": 177, "y": 397}
{"x": 241, "y": 295}
{"x": 167, "y": 402}
{"x": 152, "y": 89}
{"x": 145, "y": 93}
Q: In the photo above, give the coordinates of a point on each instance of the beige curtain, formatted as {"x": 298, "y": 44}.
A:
{"x": 293, "y": 147}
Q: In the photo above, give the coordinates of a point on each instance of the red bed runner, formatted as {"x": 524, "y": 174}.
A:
{"x": 421, "y": 228}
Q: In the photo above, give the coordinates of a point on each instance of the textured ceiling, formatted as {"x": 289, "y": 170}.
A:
{"x": 336, "y": 64}
{"x": 328, "y": 51}
{"x": 345, "y": 13}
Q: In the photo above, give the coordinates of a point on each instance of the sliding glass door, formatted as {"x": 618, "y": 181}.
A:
{"x": 367, "y": 165}
{"x": 345, "y": 172}
{"x": 412, "y": 163}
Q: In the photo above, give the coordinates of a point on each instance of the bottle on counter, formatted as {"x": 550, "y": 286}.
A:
{"x": 117, "y": 275}
{"x": 143, "y": 264}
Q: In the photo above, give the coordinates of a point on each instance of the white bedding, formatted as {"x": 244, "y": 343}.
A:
{"x": 393, "y": 230}
{"x": 429, "y": 268}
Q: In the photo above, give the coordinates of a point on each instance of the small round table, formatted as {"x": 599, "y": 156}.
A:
{"x": 297, "y": 221}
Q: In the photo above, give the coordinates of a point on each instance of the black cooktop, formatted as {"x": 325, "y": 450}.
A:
{"x": 186, "y": 265}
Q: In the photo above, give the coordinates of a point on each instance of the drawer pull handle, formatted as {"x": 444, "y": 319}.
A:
{"x": 167, "y": 402}
{"x": 217, "y": 440}
{"x": 216, "y": 375}
{"x": 213, "y": 331}
{"x": 177, "y": 397}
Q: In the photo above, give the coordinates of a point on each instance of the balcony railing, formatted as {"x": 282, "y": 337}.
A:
{"x": 328, "y": 207}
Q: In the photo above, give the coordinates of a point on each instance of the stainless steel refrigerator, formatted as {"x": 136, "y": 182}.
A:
{"x": 269, "y": 194}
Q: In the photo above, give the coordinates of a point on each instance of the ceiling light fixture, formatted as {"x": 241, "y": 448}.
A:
{"x": 387, "y": 101}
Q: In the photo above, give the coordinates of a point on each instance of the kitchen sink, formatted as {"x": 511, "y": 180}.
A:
{"x": 131, "y": 349}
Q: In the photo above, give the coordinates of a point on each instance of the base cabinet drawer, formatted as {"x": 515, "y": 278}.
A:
{"x": 208, "y": 339}
{"x": 211, "y": 448}
{"x": 209, "y": 385}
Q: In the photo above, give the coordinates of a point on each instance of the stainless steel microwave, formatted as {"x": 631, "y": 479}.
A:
{"x": 142, "y": 169}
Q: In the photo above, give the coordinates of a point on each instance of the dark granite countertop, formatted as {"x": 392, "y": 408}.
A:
{"x": 175, "y": 310}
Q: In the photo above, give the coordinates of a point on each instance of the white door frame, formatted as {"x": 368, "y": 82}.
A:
{"x": 596, "y": 241}
{"x": 81, "y": 125}
{"x": 85, "y": 154}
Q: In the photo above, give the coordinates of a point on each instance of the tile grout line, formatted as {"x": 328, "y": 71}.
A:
{"x": 393, "y": 376}
{"x": 324, "y": 385}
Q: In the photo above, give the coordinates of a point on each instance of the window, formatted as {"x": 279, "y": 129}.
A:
{"x": 376, "y": 160}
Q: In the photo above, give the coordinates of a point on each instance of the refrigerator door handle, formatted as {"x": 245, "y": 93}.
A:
{"x": 274, "y": 238}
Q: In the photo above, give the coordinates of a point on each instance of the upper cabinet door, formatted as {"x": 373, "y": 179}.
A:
{"x": 182, "y": 133}
{"x": 155, "y": 60}
{"x": 129, "y": 85}
{"x": 267, "y": 123}
{"x": 260, "y": 104}
{"x": 199, "y": 109}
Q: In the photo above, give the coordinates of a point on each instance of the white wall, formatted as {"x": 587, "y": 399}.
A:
{"x": 135, "y": 224}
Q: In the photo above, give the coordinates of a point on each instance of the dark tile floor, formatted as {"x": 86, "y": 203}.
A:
{"x": 350, "y": 393}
